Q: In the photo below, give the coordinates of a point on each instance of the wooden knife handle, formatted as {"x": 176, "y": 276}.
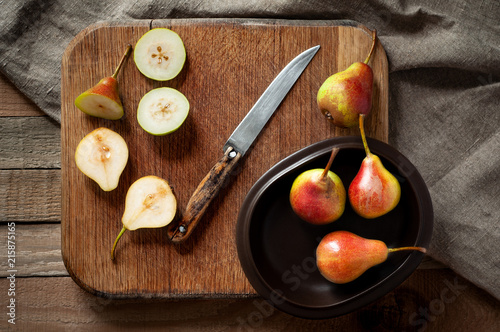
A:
{"x": 208, "y": 188}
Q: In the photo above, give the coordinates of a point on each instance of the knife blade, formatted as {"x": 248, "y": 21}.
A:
{"x": 238, "y": 144}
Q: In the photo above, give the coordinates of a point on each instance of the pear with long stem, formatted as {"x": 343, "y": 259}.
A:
{"x": 342, "y": 256}
{"x": 318, "y": 195}
{"x": 347, "y": 94}
{"x": 374, "y": 191}
{"x": 103, "y": 99}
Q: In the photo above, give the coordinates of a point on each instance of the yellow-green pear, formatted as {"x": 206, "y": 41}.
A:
{"x": 347, "y": 94}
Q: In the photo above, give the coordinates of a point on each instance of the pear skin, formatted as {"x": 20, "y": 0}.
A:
{"x": 318, "y": 195}
{"x": 374, "y": 191}
{"x": 347, "y": 94}
{"x": 103, "y": 99}
{"x": 342, "y": 256}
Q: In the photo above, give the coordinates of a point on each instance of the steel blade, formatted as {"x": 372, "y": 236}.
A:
{"x": 251, "y": 125}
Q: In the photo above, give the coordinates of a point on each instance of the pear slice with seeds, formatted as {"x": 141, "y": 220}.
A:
{"x": 162, "y": 111}
{"x": 102, "y": 155}
{"x": 160, "y": 54}
{"x": 150, "y": 203}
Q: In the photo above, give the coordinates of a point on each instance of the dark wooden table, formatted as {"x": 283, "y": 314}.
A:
{"x": 434, "y": 298}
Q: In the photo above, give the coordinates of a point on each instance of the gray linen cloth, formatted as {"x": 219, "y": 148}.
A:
{"x": 444, "y": 92}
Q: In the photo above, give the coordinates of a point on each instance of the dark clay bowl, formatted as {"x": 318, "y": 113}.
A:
{"x": 277, "y": 249}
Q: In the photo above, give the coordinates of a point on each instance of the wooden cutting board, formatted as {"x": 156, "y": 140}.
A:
{"x": 230, "y": 62}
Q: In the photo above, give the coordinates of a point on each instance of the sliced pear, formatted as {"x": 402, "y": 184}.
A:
{"x": 150, "y": 203}
{"x": 160, "y": 54}
{"x": 102, "y": 155}
{"x": 162, "y": 111}
{"x": 103, "y": 99}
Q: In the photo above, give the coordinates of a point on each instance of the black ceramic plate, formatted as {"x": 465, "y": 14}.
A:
{"x": 277, "y": 249}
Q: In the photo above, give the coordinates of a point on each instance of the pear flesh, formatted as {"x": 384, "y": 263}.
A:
{"x": 162, "y": 111}
{"x": 102, "y": 155}
{"x": 103, "y": 99}
{"x": 318, "y": 195}
{"x": 342, "y": 256}
{"x": 150, "y": 203}
{"x": 160, "y": 54}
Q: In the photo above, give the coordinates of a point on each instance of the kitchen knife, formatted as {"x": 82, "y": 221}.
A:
{"x": 238, "y": 144}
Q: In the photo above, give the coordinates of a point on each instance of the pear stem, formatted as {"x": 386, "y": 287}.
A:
{"x": 408, "y": 248}
{"x": 362, "y": 131}
{"x": 374, "y": 39}
{"x": 330, "y": 161}
{"x": 122, "y": 61}
{"x": 116, "y": 241}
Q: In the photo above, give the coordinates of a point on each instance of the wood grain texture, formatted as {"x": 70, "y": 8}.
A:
{"x": 29, "y": 142}
{"x": 204, "y": 194}
{"x": 38, "y": 251}
{"x": 30, "y": 195}
{"x": 229, "y": 64}
{"x": 13, "y": 103}
{"x": 434, "y": 300}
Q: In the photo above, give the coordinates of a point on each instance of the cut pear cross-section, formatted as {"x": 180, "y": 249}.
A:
{"x": 102, "y": 155}
{"x": 162, "y": 110}
{"x": 160, "y": 54}
{"x": 150, "y": 203}
{"x": 103, "y": 99}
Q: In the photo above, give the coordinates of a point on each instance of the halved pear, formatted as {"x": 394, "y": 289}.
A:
{"x": 150, "y": 203}
{"x": 103, "y": 99}
{"x": 160, "y": 54}
{"x": 102, "y": 155}
{"x": 162, "y": 111}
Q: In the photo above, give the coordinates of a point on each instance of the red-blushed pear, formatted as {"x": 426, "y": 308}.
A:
{"x": 347, "y": 94}
{"x": 150, "y": 203}
{"x": 103, "y": 99}
{"x": 342, "y": 256}
{"x": 318, "y": 195}
{"x": 374, "y": 191}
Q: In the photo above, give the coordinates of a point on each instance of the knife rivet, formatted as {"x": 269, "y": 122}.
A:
{"x": 232, "y": 154}
{"x": 182, "y": 229}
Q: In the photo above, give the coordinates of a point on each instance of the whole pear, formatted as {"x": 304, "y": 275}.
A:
{"x": 347, "y": 94}
{"x": 374, "y": 191}
{"x": 103, "y": 99}
{"x": 318, "y": 195}
{"x": 342, "y": 256}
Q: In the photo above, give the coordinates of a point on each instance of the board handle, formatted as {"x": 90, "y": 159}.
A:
{"x": 207, "y": 190}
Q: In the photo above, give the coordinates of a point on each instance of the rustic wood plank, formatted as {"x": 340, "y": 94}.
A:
{"x": 37, "y": 250}
{"x": 14, "y": 103}
{"x": 30, "y": 195}
{"x": 29, "y": 142}
{"x": 431, "y": 300}
{"x": 221, "y": 86}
